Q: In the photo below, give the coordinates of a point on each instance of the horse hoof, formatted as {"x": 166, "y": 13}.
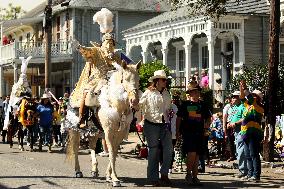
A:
{"x": 95, "y": 174}
{"x": 79, "y": 174}
{"x": 116, "y": 183}
{"x": 108, "y": 179}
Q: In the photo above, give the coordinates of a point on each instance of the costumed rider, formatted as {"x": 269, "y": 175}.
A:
{"x": 99, "y": 61}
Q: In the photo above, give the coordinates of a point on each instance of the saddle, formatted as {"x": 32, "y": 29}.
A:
{"x": 92, "y": 97}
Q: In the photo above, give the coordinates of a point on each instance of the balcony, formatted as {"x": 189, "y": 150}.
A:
{"x": 11, "y": 52}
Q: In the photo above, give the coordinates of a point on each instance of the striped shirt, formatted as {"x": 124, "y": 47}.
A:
{"x": 252, "y": 116}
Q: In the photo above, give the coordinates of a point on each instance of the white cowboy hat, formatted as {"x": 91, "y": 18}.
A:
{"x": 236, "y": 93}
{"x": 258, "y": 93}
{"x": 45, "y": 96}
{"x": 159, "y": 74}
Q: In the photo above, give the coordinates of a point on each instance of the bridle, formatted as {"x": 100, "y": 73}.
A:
{"x": 133, "y": 91}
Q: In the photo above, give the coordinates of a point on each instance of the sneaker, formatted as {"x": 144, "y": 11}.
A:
{"x": 239, "y": 175}
{"x": 254, "y": 179}
{"x": 196, "y": 181}
{"x": 188, "y": 178}
{"x": 103, "y": 154}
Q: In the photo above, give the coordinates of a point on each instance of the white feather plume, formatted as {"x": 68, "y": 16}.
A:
{"x": 104, "y": 19}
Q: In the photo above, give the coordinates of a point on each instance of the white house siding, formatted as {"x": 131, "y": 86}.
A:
{"x": 256, "y": 40}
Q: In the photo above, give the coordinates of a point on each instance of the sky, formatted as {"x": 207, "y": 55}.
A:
{"x": 25, "y": 4}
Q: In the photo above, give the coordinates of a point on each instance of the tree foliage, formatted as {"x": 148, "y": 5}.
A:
{"x": 12, "y": 12}
{"x": 211, "y": 8}
{"x": 256, "y": 78}
{"x": 147, "y": 70}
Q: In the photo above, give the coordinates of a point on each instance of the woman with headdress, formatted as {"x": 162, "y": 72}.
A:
{"x": 99, "y": 61}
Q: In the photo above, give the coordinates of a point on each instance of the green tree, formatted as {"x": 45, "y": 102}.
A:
{"x": 12, "y": 12}
{"x": 147, "y": 70}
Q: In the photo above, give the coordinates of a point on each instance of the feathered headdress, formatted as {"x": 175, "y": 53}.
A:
{"x": 104, "y": 19}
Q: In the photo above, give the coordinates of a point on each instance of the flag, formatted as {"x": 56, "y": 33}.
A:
{"x": 125, "y": 58}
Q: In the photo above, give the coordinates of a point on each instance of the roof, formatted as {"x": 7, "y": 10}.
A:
{"x": 21, "y": 21}
{"x": 243, "y": 7}
{"x": 37, "y": 11}
{"x": 248, "y": 6}
{"x": 122, "y": 5}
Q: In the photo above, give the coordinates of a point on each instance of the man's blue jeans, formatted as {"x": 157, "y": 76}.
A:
{"x": 252, "y": 150}
{"x": 45, "y": 135}
{"x": 154, "y": 135}
{"x": 240, "y": 154}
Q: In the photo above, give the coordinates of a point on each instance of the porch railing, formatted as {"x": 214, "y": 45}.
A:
{"x": 35, "y": 49}
{"x": 178, "y": 83}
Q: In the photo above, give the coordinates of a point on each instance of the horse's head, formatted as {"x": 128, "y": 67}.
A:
{"x": 130, "y": 81}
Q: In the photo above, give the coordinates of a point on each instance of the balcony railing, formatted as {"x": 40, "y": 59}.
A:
{"x": 35, "y": 49}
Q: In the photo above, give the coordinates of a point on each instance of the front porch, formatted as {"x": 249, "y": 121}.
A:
{"x": 189, "y": 45}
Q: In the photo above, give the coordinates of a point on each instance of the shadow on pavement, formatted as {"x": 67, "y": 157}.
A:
{"x": 219, "y": 184}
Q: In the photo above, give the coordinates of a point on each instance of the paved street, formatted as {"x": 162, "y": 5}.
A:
{"x": 36, "y": 170}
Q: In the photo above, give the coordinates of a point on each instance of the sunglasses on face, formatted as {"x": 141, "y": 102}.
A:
{"x": 164, "y": 80}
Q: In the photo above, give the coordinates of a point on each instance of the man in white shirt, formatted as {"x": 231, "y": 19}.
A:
{"x": 155, "y": 104}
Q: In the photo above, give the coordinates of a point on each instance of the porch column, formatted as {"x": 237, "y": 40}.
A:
{"x": 145, "y": 56}
{"x": 177, "y": 62}
{"x": 144, "y": 52}
{"x": 187, "y": 50}
{"x": 211, "y": 44}
{"x": 224, "y": 75}
{"x": 165, "y": 56}
{"x": 15, "y": 73}
{"x": 1, "y": 81}
{"x": 241, "y": 52}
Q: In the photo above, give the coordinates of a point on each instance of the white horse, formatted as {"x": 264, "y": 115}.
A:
{"x": 116, "y": 100}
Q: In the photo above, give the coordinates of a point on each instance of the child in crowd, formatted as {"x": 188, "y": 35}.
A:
{"x": 217, "y": 133}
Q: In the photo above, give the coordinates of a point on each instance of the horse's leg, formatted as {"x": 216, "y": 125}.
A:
{"x": 111, "y": 144}
{"x": 92, "y": 145}
{"x": 108, "y": 172}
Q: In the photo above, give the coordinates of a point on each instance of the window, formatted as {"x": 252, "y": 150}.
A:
{"x": 28, "y": 37}
{"x": 58, "y": 28}
{"x": 67, "y": 21}
{"x": 181, "y": 64}
{"x": 204, "y": 57}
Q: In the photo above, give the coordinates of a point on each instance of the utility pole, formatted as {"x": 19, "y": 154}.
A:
{"x": 48, "y": 31}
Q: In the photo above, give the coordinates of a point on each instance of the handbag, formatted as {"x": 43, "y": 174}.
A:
{"x": 139, "y": 127}
{"x": 143, "y": 152}
{"x": 92, "y": 99}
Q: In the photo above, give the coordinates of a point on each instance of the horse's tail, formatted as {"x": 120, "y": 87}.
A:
{"x": 72, "y": 146}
